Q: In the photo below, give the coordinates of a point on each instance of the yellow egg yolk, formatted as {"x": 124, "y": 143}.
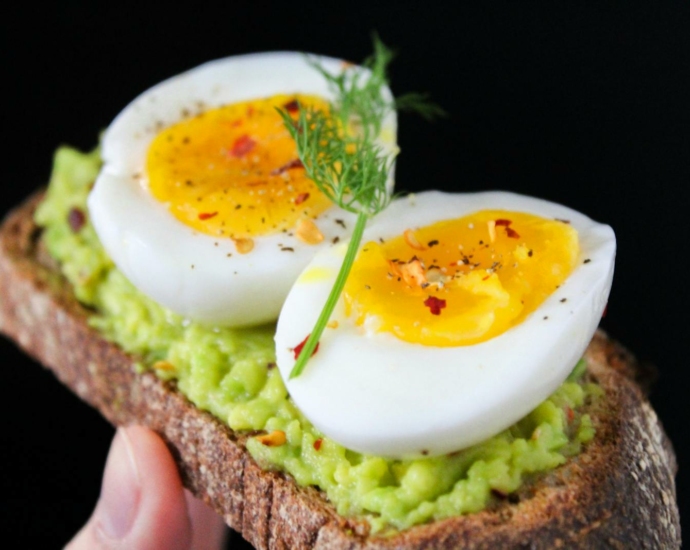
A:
{"x": 462, "y": 281}
{"x": 234, "y": 171}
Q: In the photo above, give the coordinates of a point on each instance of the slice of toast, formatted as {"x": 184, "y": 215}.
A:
{"x": 618, "y": 493}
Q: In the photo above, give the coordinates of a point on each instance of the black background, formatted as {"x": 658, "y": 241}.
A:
{"x": 585, "y": 106}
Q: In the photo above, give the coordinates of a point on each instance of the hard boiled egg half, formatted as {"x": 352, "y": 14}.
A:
{"x": 461, "y": 314}
{"x": 202, "y": 201}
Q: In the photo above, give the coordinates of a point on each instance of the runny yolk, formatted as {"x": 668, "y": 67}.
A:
{"x": 462, "y": 281}
{"x": 234, "y": 171}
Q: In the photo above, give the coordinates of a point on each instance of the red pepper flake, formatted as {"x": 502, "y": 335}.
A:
{"x": 299, "y": 199}
{"x": 243, "y": 145}
{"x": 317, "y": 444}
{"x": 570, "y": 414}
{"x": 435, "y": 305}
{"x": 207, "y": 215}
{"x": 503, "y": 223}
{"x": 299, "y": 347}
{"x": 512, "y": 233}
{"x": 291, "y": 106}
{"x": 297, "y": 163}
{"x": 76, "y": 219}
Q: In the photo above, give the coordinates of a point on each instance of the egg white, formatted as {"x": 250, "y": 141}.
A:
{"x": 374, "y": 393}
{"x": 197, "y": 275}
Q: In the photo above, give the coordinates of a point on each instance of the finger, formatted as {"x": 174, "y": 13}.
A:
{"x": 208, "y": 528}
{"x": 142, "y": 503}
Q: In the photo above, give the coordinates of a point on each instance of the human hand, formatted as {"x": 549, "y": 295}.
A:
{"x": 143, "y": 504}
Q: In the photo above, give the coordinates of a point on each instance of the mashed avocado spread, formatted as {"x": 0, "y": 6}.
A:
{"x": 230, "y": 373}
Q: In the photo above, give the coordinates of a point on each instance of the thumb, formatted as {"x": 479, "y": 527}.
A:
{"x": 142, "y": 503}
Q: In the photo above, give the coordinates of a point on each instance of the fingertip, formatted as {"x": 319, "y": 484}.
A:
{"x": 162, "y": 520}
{"x": 142, "y": 503}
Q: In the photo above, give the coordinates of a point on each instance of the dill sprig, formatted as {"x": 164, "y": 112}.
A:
{"x": 340, "y": 154}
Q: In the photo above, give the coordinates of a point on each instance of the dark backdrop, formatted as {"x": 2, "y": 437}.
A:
{"x": 585, "y": 106}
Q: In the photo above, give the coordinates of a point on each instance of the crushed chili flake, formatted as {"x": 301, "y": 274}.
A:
{"x": 435, "y": 305}
{"x": 299, "y": 347}
{"x": 243, "y": 145}
{"x": 436, "y": 276}
{"x": 76, "y": 219}
{"x": 307, "y": 232}
{"x": 430, "y": 244}
{"x": 503, "y": 223}
{"x": 275, "y": 439}
{"x": 290, "y": 165}
{"x": 164, "y": 365}
{"x": 512, "y": 233}
{"x": 570, "y": 414}
{"x": 207, "y": 215}
{"x": 395, "y": 269}
{"x": 299, "y": 199}
{"x": 244, "y": 246}
{"x": 413, "y": 273}
{"x": 291, "y": 106}
{"x": 411, "y": 240}
{"x": 317, "y": 444}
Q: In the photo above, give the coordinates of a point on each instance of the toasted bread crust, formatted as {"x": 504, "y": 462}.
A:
{"x": 618, "y": 493}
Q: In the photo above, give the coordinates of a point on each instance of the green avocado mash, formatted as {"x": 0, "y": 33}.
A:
{"x": 230, "y": 373}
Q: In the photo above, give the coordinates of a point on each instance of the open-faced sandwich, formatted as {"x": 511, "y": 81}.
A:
{"x": 331, "y": 367}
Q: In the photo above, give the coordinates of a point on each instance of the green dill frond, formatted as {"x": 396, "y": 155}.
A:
{"x": 419, "y": 103}
{"x": 340, "y": 153}
{"x": 350, "y": 171}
